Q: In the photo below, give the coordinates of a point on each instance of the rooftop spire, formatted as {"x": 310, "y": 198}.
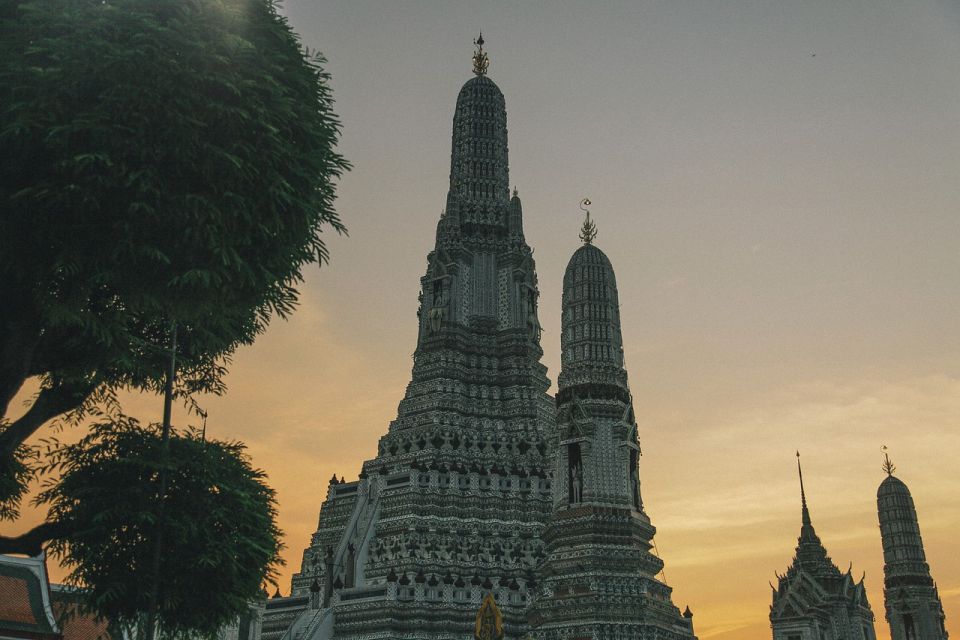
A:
{"x": 589, "y": 230}
{"x": 811, "y": 556}
{"x": 480, "y": 60}
{"x": 803, "y": 496}
{"x": 887, "y": 465}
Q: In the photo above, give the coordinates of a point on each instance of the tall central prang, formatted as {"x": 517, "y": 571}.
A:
{"x": 453, "y": 505}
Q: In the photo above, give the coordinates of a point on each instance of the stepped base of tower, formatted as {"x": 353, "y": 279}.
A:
{"x": 415, "y": 613}
{"x": 599, "y": 580}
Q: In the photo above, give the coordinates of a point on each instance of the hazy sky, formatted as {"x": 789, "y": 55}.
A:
{"x": 776, "y": 184}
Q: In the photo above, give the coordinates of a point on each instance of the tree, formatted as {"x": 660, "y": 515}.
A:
{"x": 167, "y": 170}
{"x": 219, "y": 521}
{"x": 163, "y": 161}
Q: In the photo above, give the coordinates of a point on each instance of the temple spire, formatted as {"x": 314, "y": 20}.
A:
{"x": 480, "y": 60}
{"x": 813, "y": 594}
{"x": 913, "y": 606}
{"x": 803, "y": 496}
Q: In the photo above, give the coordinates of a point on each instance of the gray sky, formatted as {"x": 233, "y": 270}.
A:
{"x": 777, "y": 186}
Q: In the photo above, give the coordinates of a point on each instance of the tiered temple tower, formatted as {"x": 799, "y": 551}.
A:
{"x": 913, "y": 607}
{"x": 453, "y": 506}
{"x": 814, "y": 600}
{"x": 599, "y": 577}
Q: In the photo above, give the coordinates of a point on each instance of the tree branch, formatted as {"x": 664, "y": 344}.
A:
{"x": 51, "y": 402}
{"x": 31, "y": 542}
{"x": 16, "y": 354}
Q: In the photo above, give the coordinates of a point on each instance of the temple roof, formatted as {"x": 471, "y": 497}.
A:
{"x": 32, "y": 608}
{"x": 812, "y": 578}
{"x": 591, "y": 341}
{"x": 892, "y": 485}
{"x": 589, "y": 254}
{"x": 482, "y": 82}
{"x": 479, "y": 164}
{"x": 810, "y": 556}
{"x": 25, "y": 609}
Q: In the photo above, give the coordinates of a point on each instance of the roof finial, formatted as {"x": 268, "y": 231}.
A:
{"x": 887, "y": 465}
{"x": 480, "y": 60}
{"x": 589, "y": 230}
{"x": 803, "y": 495}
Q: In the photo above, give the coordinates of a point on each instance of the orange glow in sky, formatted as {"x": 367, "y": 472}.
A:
{"x": 776, "y": 185}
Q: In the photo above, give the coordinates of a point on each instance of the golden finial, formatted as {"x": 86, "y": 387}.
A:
{"x": 887, "y": 465}
{"x": 489, "y": 620}
{"x": 480, "y": 60}
{"x": 589, "y": 230}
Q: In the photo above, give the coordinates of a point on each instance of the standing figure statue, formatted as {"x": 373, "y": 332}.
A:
{"x": 576, "y": 483}
{"x": 437, "y": 312}
{"x": 635, "y": 482}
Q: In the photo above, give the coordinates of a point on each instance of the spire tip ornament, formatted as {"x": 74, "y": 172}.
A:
{"x": 480, "y": 60}
{"x": 887, "y": 464}
{"x": 589, "y": 230}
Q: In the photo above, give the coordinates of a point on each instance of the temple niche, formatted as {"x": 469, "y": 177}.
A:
{"x": 575, "y": 473}
{"x": 634, "y": 472}
{"x": 438, "y": 307}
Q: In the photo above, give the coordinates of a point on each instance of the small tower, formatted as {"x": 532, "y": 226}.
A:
{"x": 813, "y": 600}
{"x": 913, "y": 607}
{"x": 599, "y": 574}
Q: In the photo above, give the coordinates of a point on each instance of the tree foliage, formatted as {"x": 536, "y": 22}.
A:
{"x": 14, "y": 485}
{"x": 162, "y": 160}
{"x": 218, "y": 527}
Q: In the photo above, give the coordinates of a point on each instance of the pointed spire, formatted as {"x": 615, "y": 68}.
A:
{"x": 810, "y": 555}
{"x": 803, "y": 495}
{"x": 887, "y": 465}
{"x": 589, "y": 230}
{"x": 480, "y": 60}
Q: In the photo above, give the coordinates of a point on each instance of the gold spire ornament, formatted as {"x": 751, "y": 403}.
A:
{"x": 489, "y": 620}
{"x": 887, "y": 465}
{"x": 589, "y": 230}
{"x": 480, "y": 60}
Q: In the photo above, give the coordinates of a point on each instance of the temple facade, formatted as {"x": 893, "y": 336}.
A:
{"x": 913, "y": 607}
{"x": 452, "y": 507}
{"x": 451, "y": 512}
{"x": 814, "y": 600}
{"x": 493, "y": 510}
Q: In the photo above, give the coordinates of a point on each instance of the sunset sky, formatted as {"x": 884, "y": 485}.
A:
{"x": 777, "y": 186}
